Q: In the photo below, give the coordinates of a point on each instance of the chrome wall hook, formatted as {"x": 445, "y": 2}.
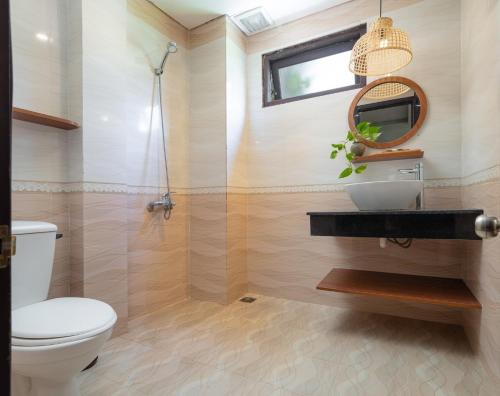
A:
{"x": 487, "y": 226}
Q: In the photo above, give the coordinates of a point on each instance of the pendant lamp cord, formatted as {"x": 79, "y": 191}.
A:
{"x": 380, "y": 9}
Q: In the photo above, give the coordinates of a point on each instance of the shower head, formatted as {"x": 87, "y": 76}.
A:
{"x": 171, "y": 49}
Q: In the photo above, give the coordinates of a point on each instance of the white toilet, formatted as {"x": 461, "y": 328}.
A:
{"x": 52, "y": 340}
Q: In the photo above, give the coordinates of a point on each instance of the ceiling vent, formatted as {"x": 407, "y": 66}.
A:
{"x": 253, "y": 21}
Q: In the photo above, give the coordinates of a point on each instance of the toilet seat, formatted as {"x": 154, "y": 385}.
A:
{"x": 34, "y": 342}
{"x": 60, "y": 320}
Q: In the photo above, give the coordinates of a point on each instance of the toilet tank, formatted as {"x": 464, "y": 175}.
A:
{"x": 31, "y": 267}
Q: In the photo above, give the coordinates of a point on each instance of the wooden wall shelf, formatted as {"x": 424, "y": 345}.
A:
{"x": 389, "y": 156}
{"x": 412, "y": 288}
{"x": 43, "y": 119}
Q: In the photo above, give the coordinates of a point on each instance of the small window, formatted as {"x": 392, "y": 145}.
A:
{"x": 317, "y": 67}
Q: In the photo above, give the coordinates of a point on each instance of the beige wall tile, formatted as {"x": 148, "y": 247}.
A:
{"x": 156, "y": 18}
{"x": 481, "y": 272}
{"x": 207, "y": 115}
{"x": 237, "y": 245}
{"x": 147, "y": 35}
{"x": 207, "y": 247}
{"x": 157, "y": 255}
{"x": 77, "y": 257}
{"x": 104, "y": 232}
{"x": 480, "y": 79}
{"x": 39, "y": 65}
{"x": 210, "y": 31}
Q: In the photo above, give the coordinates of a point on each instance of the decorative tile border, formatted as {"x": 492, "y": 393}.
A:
{"x": 205, "y": 190}
{"x": 435, "y": 183}
{"x": 483, "y": 176}
{"x": 146, "y": 190}
{"x": 443, "y": 183}
{"x": 93, "y": 187}
{"x": 176, "y": 190}
{"x": 486, "y": 175}
{"x": 33, "y": 186}
{"x": 56, "y": 187}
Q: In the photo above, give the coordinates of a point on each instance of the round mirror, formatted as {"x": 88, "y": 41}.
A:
{"x": 395, "y": 104}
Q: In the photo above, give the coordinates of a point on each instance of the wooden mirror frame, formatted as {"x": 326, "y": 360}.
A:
{"x": 408, "y": 135}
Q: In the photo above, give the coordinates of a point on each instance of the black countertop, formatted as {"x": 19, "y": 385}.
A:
{"x": 477, "y": 212}
{"x": 425, "y": 223}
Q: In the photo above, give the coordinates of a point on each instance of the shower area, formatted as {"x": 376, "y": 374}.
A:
{"x": 142, "y": 190}
{"x": 185, "y": 214}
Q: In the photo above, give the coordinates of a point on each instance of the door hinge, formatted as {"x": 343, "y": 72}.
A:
{"x": 7, "y": 246}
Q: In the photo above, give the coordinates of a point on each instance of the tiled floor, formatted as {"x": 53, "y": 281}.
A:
{"x": 282, "y": 347}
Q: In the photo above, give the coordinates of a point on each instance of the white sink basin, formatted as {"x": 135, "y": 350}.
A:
{"x": 385, "y": 195}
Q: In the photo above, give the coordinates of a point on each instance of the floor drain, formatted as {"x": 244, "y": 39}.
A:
{"x": 247, "y": 299}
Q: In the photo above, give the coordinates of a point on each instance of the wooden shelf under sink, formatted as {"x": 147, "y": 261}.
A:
{"x": 390, "y": 156}
{"x": 43, "y": 119}
{"x": 411, "y": 288}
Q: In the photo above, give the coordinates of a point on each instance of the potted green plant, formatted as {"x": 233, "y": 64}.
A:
{"x": 369, "y": 132}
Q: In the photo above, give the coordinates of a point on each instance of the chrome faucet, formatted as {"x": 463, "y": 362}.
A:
{"x": 418, "y": 171}
{"x": 165, "y": 202}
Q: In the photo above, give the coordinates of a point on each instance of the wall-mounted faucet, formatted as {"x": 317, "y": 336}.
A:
{"x": 418, "y": 171}
{"x": 165, "y": 202}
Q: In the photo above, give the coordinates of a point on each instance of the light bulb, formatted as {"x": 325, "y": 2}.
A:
{"x": 42, "y": 37}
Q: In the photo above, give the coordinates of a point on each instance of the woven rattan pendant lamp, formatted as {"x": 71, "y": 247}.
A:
{"x": 382, "y": 50}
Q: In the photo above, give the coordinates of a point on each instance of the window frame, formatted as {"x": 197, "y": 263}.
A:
{"x": 411, "y": 101}
{"x": 310, "y": 50}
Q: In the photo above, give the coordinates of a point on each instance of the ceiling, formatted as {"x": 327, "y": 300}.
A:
{"x": 192, "y": 13}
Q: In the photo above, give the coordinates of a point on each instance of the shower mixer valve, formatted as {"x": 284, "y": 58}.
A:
{"x": 165, "y": 202}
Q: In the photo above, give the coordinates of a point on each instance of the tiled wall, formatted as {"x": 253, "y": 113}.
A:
{"x": 481, "y": 99}
{"x": 481, "y": 272}
{"x": 104, "y": 236}
{"x": 39, "y": 153}
{"x": 480, "y": 84}
{"x": 208, "y": 277}
{"x": 236, "y": 245}
{"x": 207, "y": 93}
{"x": 148, "y": 31}
{"x": 38, "y": 37}
{"x": 288, "y": 145}
{"x": 39, "y": 47}
{"x": 285, "y": 261}
{"x": 237, "y": 143}
{"x": 157, "y": 254}
{"x": 105, "y": 172}
{"x": 217, "y": 161}
{"x": 157, "y": 251}
{"x": 236, "y": 107}
{"x": 207, "y": 134}
{"x": 289, "y": 171}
